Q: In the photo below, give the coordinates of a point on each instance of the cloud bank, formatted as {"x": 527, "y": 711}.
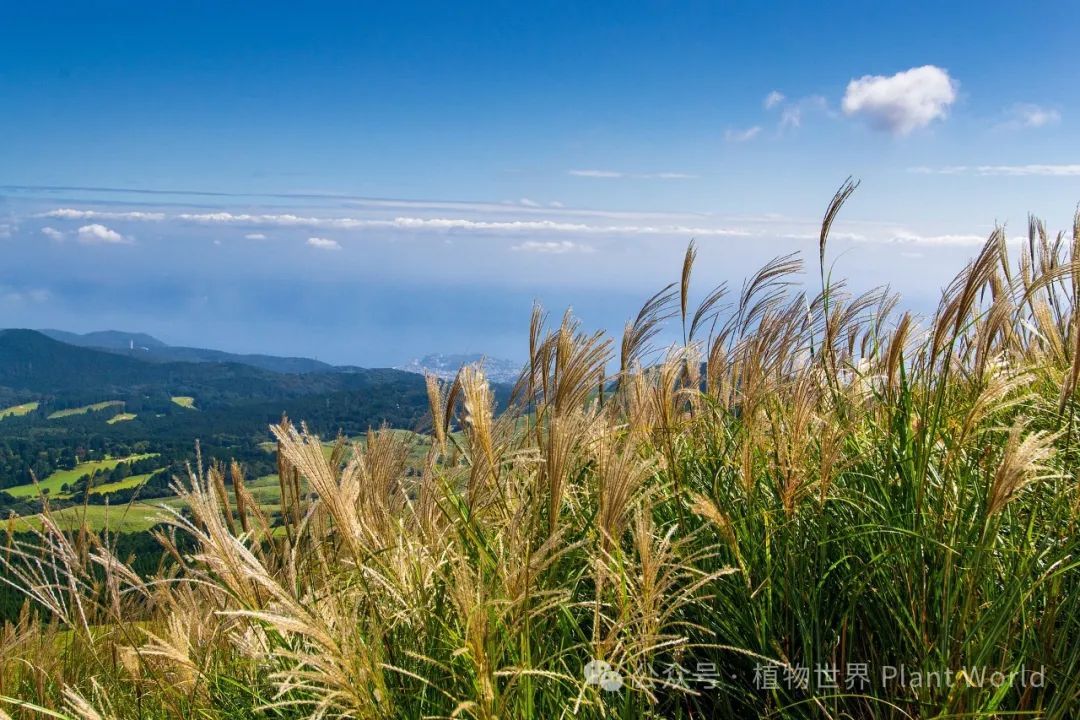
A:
{"x": 1033, "y": 170}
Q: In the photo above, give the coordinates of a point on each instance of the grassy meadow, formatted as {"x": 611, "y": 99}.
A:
{"x": 134, "y": 517}
{"x": 82, "y": 410}
{"x": 18, "y": 410}
{"x": 54, "y": 483}
{"x": 814, "y": 505}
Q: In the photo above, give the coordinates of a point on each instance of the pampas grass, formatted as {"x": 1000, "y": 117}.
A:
{"x": 807, "y": 482}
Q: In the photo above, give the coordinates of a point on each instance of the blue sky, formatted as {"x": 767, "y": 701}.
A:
{"x": 367, "y": 182}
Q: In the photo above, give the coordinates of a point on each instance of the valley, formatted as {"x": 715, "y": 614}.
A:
{"x": 104, "y": 432}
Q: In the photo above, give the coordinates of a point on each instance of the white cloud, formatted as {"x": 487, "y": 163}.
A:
{"x": 255, "y": 236}
{"x": 71, "y": 214}
{"x": 552, "y": 247}
{"x": 555, "y": 204}
{"x": 596, "y": 173}
{"x": 773, "y": 99}
{"x": 1025, "y": 170}
{"x": 614, "y": 174}
{"x": 387, "y": 204}
{"x": 791, "y": 118}
{"x": 903, "y": 102}
{"x": 905, "y": 236}
{"x": 791, "y": 115}
{"x": 323, "y": 243}
{"x": 33, "y": 295}
{"x": 52, "y": 233}
{"x": 940, "y": 170}
{"x": 455, "y": 224}
{"x": 1001, "y": 170}
{"x": 96, "y": 234}
{"x": 1032, "y": 116}
{"x": 528, "y": 203}
{"x": 738, "y": 136}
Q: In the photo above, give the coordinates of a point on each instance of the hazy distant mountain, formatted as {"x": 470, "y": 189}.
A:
{"x": 140, "y": 346}
{"x": 446, "y": 366}
{"x": 106, "y": 339}
{"x": 147, "y": 347}
{"x": 31, "y": 361}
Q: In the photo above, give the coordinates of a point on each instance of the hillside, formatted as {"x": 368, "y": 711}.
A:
{"x": 141, "y": 346}
{"x": 31, "y": 361}
{"x": 105, "y": 339}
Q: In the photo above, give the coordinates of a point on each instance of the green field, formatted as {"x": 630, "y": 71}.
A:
{"x": 128, "y": 482}
{"x": 84, "y": 409}
{"x": 17, "y": 410}
{"x": 418, "y": 449}
{"x": 122, "y": 417}
{"x": 58, "y": 479}
{"x": 132, "y": 517}
{"x": 185, "y": 401}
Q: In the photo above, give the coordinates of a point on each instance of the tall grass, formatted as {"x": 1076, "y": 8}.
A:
{"x": 810, "y": 491}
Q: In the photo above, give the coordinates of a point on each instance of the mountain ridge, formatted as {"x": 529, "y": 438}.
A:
{"x": 143, "y": 346}
{"x": 31, "y": 361}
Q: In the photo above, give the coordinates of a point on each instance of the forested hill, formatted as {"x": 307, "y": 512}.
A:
{"x": 60, "y": 401}
{"x": 32, "y": 363}
{"x": 225, "y": 398}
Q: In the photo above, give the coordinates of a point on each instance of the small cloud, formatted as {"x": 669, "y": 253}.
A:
{"x": 1001, "y": 170}
{"x": 52, "y": 233}
{"x": 1028, "y": 115}
{"x": 941, "y": 170}
{"x": 72, "y": 214}
{"x": 739, "y": 136}
{"x": 596, "y": 173}
{"x": 33, "y": 295}
{"x": 613, "y": 174}
{"x": 323, "y": 243}
{"x": 553, "y": 247}
{"x": 791, "y": 116}
{"x": 1029, "y": 170}
{"x": 901, "y": 236}
{"x": 555, "y": 204}
{"x": 255, "y": 236}
{"x": 901, "y": 103}
{"x": 773, "y": 99}
{"x": 96, "y": 234}
{"x": 526, "y": 202}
